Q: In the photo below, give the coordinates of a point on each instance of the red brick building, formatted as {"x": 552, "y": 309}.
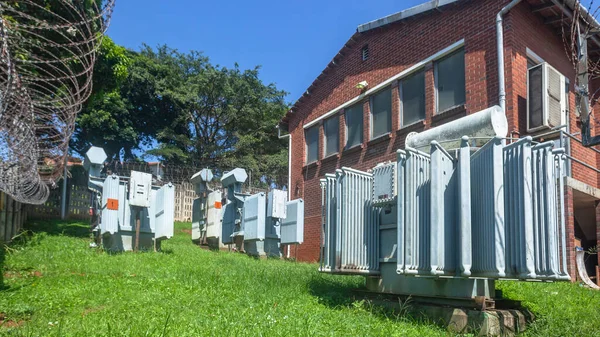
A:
{"x": 424, "y": 67}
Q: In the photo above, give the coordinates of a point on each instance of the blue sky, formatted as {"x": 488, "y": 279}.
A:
{"x": 292, "y": 40}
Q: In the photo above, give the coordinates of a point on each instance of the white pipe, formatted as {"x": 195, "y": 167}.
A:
{"x": 500, "y": 46}
{"x": 289, "y": 187}
{"x": 480, "y": 126}
{"x": 289, "y": 137}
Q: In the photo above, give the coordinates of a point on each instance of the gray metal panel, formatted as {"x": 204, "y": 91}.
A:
{"x": 140, "y": 184}
{"x": 330, "y": 230}
{"x": 358, "y": 221}
{"x": 444, "y": 213}
{"x": 518, "y": 194}
{"x": 465, "y": 254}
{"x": 546, "y": 223}
{"x": 198, "y": 225}
{"x": 292, "y": 227}
{"x": 276, "y": 204}
{"x": 351, "y": 223}
{"x": 254, "y": 218}
{"x": 213, "y": 215}
{"x": 165, "y": 212}
{"x": 123, "y": 208}
{"x": 228, "y": 225}
{"x": 384, "y": 183}
{"x": 110, "y": 218}
{"x": 401, "y": 210}
{"x": 559, "y": 174}
{"x": 152, "y": 210}
{"x": 417, "y": 211}
{"x": 487, "y": 210}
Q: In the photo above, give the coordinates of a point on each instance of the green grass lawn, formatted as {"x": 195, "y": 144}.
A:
{"x": 55, "y": 285}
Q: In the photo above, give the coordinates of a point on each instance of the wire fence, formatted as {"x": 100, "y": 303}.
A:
{"x": 47, "y": 56}
{"x": 78, "y": 196}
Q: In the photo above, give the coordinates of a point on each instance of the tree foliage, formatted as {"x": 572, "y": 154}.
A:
{"x": 184, "y": 110}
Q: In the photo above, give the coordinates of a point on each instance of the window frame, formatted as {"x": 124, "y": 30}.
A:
{"x": 362, "y": 125}
{"x": 436, "y": 63}
{"x": 306, "y": 145}
{"x": 401, "y": 97}
{"x": 365, "y": 51}
{"x": 325, "y": 154}
{"x": 390, "y": 119}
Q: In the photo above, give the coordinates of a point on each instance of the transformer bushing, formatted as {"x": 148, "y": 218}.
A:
{"x": 94, "y": 161}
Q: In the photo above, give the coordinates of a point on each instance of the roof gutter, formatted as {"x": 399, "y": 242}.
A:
{"x": 500, "y": 47}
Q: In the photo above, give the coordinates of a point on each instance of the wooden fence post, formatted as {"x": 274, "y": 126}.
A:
{"x": 8, "y": 234}
{"x": 17, "y": 221}
{"x": 2, "y": 216}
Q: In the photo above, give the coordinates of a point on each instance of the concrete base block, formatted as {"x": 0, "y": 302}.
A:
{"x": 124, "y": 241}
{"x": 263, "y": 249}
{"x": 389, "y": 282}
{"x": 462, "y": 320}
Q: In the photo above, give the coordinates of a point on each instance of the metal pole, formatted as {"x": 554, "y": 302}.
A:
{"x": 63, "y": 201}
{"x": 137, "y": 228}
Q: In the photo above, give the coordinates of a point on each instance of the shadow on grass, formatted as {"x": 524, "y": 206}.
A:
{"x": 331, "y": 293}
{"x": 338, "y": 295}
{"x": 79, "y": 229}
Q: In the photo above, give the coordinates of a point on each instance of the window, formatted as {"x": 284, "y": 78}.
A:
{"x": 413, "y": 98}
{"x": 450, "y": 80}
{"x": 332, "y": 135}
{"x": 381, "y": 116}
{"x": 312, "y": 144}
{"x": 354, "y": 125}
{"x": 365, "y": 52}
{"x": 535, "y": 96}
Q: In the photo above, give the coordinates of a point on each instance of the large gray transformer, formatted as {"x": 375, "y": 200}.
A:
{"x": 448, "y": 222}
{"x": 258, "y": 224}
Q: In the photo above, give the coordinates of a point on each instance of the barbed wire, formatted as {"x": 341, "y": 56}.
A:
{"x": 47, "y": 55}
{"x": 178, "y": 174}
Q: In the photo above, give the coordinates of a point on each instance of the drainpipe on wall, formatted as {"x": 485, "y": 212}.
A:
{"x": 289, "y": 187}
{"x": 500, "y": 46}
{"x": 289, "y": 137}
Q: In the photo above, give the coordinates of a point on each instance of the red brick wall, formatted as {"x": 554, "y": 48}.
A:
{"x": 570, "y": 233}
{"x": 527, "y": 30}
{"x": 396, "y": 47}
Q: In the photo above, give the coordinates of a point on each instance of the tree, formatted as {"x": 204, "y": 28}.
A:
{"x": 220, "y": 117}
{"x": 198, "y": 114}
{"x": 579, "y": 26}
{"x": 105, "y": 119}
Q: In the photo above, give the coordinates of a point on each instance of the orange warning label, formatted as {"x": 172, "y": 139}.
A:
{"x": 218, "y": 205}
{"x": 112, "y": 204}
